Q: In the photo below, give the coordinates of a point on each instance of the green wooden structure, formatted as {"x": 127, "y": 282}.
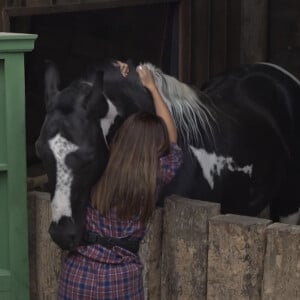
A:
{"x": 14, "y": 272}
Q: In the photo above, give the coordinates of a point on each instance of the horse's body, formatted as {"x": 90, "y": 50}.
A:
{"x": 239, "y": 135}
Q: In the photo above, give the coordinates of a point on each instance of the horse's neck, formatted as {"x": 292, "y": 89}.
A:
{"x": 193, "y": 117}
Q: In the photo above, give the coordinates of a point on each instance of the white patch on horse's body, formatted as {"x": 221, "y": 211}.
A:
{"x": 185, "y": 105}
{"x": 213, "y": 164}
{"x": 109, "y": 119}
{"x": 292, "y": 219}
{"x": 61, "y": 202}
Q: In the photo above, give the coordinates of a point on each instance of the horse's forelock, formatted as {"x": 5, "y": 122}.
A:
{"x": 72, "y": 96}
{"x": 186, "y": 106}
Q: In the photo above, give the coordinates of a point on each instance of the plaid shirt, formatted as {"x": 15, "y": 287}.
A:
{"x": 95, "y": 272}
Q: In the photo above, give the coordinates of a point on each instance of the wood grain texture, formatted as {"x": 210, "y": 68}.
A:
{"x": 282, "y": 263}
{"x": 185, "y": 243}
{"x": 44, "y": 256}
{"x": 150, "y": 255}
{"x": 235, "y": 257}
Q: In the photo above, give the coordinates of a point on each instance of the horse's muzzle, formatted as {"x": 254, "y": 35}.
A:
{"x": 65, "y": 233}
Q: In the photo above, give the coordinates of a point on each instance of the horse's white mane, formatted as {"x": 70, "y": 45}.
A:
{"x": 185, "y": 105}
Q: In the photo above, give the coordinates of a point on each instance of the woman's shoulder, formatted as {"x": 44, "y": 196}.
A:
{"x": 175, "y": 153}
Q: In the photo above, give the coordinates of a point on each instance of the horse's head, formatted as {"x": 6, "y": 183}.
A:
{"x": 73, "y": 143}
{"x": 73, "y": 150}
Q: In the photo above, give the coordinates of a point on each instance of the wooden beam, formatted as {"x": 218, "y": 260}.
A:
{"x": 233, "y": 32}
{"x": 218, "y": 36}
{"x": 254, "y": 29}
{"x": 184, "y": 41}
{"x": 200, "y": 35}
{"x": 100, "y": 4}
{"x": 4, "y": 21}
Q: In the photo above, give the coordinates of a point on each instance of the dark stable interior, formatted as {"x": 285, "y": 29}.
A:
{"x": 74, "y": 41}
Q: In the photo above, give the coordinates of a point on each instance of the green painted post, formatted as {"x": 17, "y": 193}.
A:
{"x": 14, "y": 272}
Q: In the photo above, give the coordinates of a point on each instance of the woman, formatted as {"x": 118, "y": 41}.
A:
{"x": 143, "y": 156}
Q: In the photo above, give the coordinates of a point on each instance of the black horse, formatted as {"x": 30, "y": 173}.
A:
{"x": 239, "y": 132}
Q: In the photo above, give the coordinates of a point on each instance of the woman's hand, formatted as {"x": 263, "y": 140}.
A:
{"x": 122, "y": 66}
{"x": 146, "y": 77}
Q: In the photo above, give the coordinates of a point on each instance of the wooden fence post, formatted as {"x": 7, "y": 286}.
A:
{"x": 282, "y": 263}
{"x": 150, "y": 255}
{"x": 235, "y": 257}
{"x": 185, "y": 243}
{"x": 44, "y": 256}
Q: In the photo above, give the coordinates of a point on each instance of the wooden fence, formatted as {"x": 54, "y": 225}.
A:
{"x": 190, "y": 252}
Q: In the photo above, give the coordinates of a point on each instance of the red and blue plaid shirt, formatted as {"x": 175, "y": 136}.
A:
{"x": 95, "y": 272}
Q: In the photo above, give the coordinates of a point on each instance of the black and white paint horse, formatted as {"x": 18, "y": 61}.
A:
{"x": 240, "y": 135}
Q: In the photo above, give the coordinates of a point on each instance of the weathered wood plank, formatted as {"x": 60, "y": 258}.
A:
{"x": 282, "y": 263}
{"x": 185, "y": 243}
{"x": 235, "y": 257}
{"x": 38, "y": 3}
{"x": 44, "y": 256}
{"x": 82, "y": 6}
{"x": 4, "y": 21}
{"x": 284, "y": 34}
{"x": 37, "y": 182}
{"x": 233, "y": 32}
{"x": 254, "y": 30}
{"x": 184, "y": 41}
{"x": 13, "y": 3}
{"x": 150, "y": 255}
{"x": 200, "y": 41}
{"x": 218, "y": 48}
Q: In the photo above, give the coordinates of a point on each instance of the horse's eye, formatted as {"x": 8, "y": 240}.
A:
{"x": 79, "y": 159}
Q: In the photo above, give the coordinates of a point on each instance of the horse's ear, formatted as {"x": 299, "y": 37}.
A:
{"x": 51, "y": 81}
{"x": 97, "y": 88}
{"x": 99, "y": 80}
{"x": 97, "y": 104}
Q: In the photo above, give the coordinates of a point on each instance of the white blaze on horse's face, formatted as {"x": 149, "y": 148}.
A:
{"x": 61, "y": 202}
{"x": 212, "y": 165}
{"x": 109, "y": 119}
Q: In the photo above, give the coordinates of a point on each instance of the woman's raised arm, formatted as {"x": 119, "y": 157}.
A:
{"x": 161, "y": 107}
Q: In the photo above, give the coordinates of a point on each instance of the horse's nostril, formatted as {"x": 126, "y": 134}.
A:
{"x": 64, "y": 233}
{"x": 72, "y": 237}
{"x": 72, "y": 241}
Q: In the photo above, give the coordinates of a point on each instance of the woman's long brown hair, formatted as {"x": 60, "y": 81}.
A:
{"x": 130, "y": 178}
